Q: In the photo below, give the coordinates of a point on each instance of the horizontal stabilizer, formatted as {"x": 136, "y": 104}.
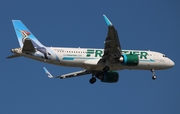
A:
{"x": 13, "y": 56}
{"x": 28, "y": 46}
{"x": 73, "y": 74}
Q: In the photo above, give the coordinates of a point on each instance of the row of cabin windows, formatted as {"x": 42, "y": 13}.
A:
{"x": 71, "y": 51}
{"x": 82, "y": 52}
{"x": 85, "y": 52}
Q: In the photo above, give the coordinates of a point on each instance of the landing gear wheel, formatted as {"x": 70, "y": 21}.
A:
{"x": 106, "y": 69}
{"x": 154, "y": 77}
{"x": 92, "y": 80}
{"x": 153, "y": 74}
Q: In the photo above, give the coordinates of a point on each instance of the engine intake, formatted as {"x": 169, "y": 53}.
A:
{"x": 129, "y": 60}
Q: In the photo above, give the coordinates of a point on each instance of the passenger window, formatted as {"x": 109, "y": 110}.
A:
{"x": 164, "y": 56}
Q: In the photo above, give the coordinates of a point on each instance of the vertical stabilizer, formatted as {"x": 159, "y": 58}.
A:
{"x": 23, "y": 33}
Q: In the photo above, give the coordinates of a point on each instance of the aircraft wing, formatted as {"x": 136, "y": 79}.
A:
{"x": 112, "y": 48}
{"x": 73, "y": 74}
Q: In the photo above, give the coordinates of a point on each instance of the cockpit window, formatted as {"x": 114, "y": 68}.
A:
{"x": 164, "y": 56}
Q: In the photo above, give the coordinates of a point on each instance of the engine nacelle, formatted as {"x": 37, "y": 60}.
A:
{"x": 129, "y": 60}
{"x": 110, "y": 77}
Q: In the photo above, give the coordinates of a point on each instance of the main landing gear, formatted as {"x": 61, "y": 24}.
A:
{"x": 92, "y": 80}
{"x": 106, "y": 69}
{"x": 99, "y": 75}
{"x": 153, "y": 74}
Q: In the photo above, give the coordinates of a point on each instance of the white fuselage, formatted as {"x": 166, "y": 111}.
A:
{"x": 101, "y": 63}
{"x": 88, "y": 58}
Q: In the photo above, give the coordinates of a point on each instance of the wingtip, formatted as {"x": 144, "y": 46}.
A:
{"x": 45, "y": 69}
{"x": 48, "y": 73}
{"x": 14, "y": 20}
{"x": 108, "y": 22}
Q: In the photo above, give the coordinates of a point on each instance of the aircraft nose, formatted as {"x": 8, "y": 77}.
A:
{"x": 171, "y": 63}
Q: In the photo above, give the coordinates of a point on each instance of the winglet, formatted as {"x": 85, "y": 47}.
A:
{"x": 107, "y": 21}
{"x": 48, "y": 73}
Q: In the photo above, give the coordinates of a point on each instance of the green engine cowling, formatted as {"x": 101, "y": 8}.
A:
{"x": 110, "y": 77}
{"x": 129, "y": 60}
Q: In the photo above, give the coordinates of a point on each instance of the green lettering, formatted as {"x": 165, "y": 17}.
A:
{"x": 89, "y": 52}
{"x": 125, "y": 52}
{"x": 98, "y": 53}
{"x": 136, "y": 53}
{"x": 131, "y": 53}
{"x": 143, "y": 55}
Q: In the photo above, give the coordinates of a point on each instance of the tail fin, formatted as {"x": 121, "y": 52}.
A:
{"x": 24, "y": 33}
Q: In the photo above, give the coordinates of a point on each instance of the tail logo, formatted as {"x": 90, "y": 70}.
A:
{"x": 24, "y": 34}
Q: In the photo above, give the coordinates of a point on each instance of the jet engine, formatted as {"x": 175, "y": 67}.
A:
{"x": 129, "y": 60}
{"x": 110, "y": 77}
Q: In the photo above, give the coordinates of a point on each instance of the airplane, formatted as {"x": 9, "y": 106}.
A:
{"x": 102, "y": 64}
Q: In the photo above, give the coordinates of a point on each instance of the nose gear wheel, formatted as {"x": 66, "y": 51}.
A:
{"x": 153, "y": 74}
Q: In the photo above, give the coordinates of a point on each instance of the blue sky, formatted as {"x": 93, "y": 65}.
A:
{"x": 152, "y": 24}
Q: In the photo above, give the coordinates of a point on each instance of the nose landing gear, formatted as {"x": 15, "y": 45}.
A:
{"x": 153, "y": 74}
